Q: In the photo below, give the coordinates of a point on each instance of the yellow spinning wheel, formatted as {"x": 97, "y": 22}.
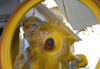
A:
{"x": 15, "y": 19}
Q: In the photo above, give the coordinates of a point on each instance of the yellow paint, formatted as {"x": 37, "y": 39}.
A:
{"x": 83, "y": 62}
{"x": 10, "y": 29}
{"x": 50, "y": 57}
{"x": 34, "y": 65}
{"x": 93, "y": 7}
{"x": 98, "y": 65}
{"x": 70, "y": 39}
{"x": 59, "y": 44}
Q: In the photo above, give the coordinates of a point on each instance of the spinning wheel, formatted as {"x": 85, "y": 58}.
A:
{"x": 53, "y": 48}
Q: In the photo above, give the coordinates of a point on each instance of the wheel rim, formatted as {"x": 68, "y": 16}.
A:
{"x": 9, "y": 31}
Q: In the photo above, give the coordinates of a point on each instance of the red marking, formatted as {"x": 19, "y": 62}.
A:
{"x": 50, "y": 46}
{"x": 92, "y": 31}
{"x": 90, "y": 26}
{"x": 98, "y": 2}
{"x": 0, "y": 55}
